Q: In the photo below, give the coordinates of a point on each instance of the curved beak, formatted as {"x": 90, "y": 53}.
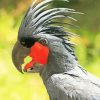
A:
{"x": 18, "y": 54}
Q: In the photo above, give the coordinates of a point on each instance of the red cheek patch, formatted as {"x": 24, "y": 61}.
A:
{"x": 39, "y": 54}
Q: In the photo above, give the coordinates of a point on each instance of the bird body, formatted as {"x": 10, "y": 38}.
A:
{"x": 71, "y": 86}
{"x": 41, "y": 30}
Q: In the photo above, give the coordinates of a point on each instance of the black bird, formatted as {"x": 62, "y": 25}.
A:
{"x": 43, "y": 36}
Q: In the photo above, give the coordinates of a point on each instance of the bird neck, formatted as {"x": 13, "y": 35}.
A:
{"x": 59, "y": 63}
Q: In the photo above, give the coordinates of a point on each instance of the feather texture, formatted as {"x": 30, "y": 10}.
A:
{"x": 39, "y": 18}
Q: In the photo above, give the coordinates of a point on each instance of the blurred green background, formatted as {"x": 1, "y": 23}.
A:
{"x": 15, "y": 86}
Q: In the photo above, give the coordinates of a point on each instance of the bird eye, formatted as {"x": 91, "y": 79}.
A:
{"x": 23, "y": 43}
{"x": 43, "y": 41}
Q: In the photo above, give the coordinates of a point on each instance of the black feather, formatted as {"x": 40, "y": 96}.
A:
{"x": 41, "y": 19}
{"x": 37, "y": 19}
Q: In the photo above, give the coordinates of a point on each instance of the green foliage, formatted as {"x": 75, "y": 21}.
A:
{"x": 15, "y": 86}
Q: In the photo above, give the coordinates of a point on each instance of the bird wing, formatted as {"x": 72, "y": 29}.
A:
{"x": 69, "y": 86}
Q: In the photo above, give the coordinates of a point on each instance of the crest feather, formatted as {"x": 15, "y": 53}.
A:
{"x": 43, "y": 18}
{"x": 39, "y": 18}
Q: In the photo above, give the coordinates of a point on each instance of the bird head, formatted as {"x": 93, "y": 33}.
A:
{"x": 41, "y": 33}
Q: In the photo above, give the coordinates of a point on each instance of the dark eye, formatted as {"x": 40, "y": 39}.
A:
{"x": 23, "y": 43}
{"x": 28, "y": 42}
{"x": 43, "y": 41}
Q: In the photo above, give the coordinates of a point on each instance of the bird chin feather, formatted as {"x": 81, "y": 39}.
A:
{"x": 36, "y": 68}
